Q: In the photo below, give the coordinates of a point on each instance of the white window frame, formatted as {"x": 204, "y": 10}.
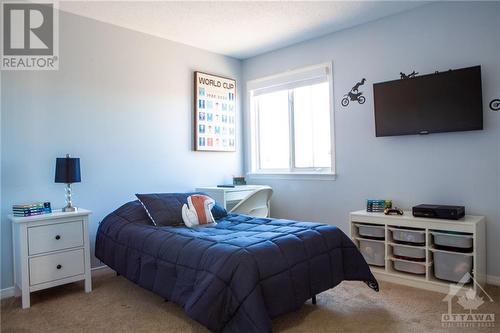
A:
{"x": 252, "y": 151}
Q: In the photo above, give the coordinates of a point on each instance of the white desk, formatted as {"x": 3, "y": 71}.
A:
{"x": 229, "y": 197}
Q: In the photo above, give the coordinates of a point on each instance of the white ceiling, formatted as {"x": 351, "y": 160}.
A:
{"x": 238, "y": 29}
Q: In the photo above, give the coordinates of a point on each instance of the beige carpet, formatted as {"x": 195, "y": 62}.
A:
{"x": 117, "y": 305}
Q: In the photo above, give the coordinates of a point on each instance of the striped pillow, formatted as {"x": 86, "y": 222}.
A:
{"x": 198, "y": 211}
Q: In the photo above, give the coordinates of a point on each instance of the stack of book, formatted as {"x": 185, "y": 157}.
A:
{"x": 377, "y": 206}
{"x": 37, "y": 208}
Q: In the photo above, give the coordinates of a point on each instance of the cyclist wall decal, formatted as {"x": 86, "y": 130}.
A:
{"x": 354, "y": 95}
{"x": 409, "y": 76}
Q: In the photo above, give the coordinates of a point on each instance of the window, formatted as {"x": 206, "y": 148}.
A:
{"x": 291, "y": 123}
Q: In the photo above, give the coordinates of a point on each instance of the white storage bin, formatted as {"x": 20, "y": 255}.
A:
{"x": 409, "y": 267}
{"x": 451, "y": 266}
{"x": 375, "y": 231}
{"x": 373, "y": 251}
{"x": 408, "y": 252}
{"x": 408, "y": 235}
{"x": 463, "y": 241}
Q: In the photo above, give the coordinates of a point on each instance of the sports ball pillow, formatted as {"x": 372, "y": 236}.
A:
{"x": 198, "y": 211}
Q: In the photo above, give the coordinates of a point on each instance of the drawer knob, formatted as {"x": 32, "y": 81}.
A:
{"x": 58, "y": 266}
{"x": 58, "y": 237}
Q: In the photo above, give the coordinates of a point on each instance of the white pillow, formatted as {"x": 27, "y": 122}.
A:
{"x": 198, "y": 211}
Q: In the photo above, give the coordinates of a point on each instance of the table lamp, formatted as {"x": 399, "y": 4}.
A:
{"x": 68, "y": 172}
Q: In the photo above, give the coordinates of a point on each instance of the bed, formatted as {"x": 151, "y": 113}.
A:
{"x": 236, "y": 276}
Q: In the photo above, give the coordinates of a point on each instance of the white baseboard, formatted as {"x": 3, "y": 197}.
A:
{"x": 493, "y": 280}
{"x": 7, "y": 292}
{"x": 10, "y": 291}
{"x": 98, "y": 268}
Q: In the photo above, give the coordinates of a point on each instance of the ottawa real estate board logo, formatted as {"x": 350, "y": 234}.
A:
{"x": 469, "y": 294}
{"x": 30, "y": 35}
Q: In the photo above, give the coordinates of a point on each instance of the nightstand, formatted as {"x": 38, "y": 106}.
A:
{"x": 50, "y": 250}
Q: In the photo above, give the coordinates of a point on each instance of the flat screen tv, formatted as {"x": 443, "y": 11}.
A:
{"x": 448, "y": 101}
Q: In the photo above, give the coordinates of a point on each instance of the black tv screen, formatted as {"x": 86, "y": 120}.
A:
{"x": 443, "y": 102}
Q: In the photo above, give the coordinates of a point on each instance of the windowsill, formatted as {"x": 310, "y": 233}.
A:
{"x": 292, "y": 175}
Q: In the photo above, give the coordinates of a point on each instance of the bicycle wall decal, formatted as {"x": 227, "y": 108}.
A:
{"x": 495, "y": 105}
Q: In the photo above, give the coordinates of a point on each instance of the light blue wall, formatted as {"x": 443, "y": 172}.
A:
{"x": 452, "y": 168}
{"x": 122, "y": 102}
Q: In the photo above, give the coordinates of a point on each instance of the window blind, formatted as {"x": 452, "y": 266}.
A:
{"x": 291, "y": 80}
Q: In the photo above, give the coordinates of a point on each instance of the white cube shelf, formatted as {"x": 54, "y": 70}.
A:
{"x": 473, "y": 226}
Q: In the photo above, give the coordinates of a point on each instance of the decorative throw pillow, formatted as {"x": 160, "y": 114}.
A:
{"x": 198, "y": 211}
{"x": 218, "y": 211}
{"x": 165, "y": 209}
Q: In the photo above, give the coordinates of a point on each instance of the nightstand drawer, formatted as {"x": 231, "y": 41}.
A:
{"x": 56, "y": 266}
{"x": 53, "y": 237}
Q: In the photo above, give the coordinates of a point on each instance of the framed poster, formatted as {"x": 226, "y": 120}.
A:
{"x": 214, "y": 113}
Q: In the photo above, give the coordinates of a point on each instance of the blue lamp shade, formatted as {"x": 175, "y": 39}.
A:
{"x": 67, "y": 170}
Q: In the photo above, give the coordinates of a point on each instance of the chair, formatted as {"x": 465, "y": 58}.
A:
{"x": 255, "y": 204}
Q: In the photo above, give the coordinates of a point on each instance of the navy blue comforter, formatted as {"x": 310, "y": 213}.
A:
{"x": 234, "y": 277}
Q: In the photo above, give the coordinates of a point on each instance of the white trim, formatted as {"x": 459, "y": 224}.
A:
{"x": 290, "y": 85}
{"x": 7, "y": 292}
{"x": 251, "y": 162}
{"x": 10, "y": 291}
{"x": 98, "y": 268}
{"x": 493, "y": 280}
{"x": 291, "y": 175}
{"x": 291, "y": 130}
{"x": 147, "y": 211}
{"x": 333, "y": 163}
{"x": 291, "y": 75}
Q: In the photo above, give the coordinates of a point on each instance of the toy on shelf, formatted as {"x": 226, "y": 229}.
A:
{"x": 377, "y": 206}
{"x": 395, "y": 210}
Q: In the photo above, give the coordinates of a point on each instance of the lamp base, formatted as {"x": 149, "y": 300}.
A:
{"x": 69, "y": 205}
{"x": 69, "y": 209}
